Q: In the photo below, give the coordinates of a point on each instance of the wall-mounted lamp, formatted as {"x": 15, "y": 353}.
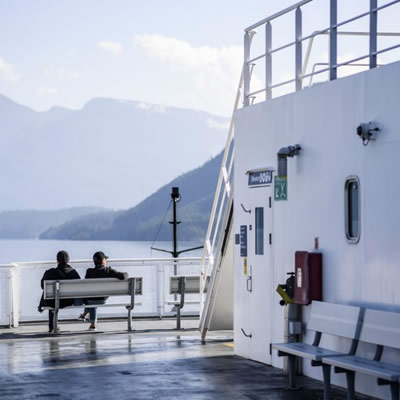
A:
{"x": 283, "y": 154}
{"x": 368, "y": 131}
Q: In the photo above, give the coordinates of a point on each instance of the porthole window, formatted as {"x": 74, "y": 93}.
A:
{"x": 352, "y": 209}
{"x": 259, "y": 230}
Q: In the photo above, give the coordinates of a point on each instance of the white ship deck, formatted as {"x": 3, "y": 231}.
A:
{"x": 155, "y": 361}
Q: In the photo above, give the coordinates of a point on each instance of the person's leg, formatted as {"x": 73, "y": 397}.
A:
{"x": 51, "y": 316}
{"x": 93, "y": 312}
{"x": 80, "y": 302}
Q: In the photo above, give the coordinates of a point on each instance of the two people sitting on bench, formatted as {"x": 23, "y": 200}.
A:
{"x": 100, "y": 270}
{"x": 62, "y": 271}
{"x": 65, "y": 271}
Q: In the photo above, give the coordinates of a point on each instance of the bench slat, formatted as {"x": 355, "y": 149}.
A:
{"x": 100, "y": 287}
{"x": 381, "y": 327}
{"x": 305, "y": 350}
{"x": 370, "y": 367}
{"x": 192, "y": 284}
{"x": 334, "y": 319}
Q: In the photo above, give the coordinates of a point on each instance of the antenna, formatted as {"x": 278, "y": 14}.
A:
{"x": 176, "y": 197}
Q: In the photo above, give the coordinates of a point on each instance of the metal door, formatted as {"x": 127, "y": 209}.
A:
{"x": 260, "y": 296}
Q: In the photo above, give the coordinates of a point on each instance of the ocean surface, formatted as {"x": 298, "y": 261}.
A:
{"x": 46, "y": 250}
{"x": 155, "y": 274}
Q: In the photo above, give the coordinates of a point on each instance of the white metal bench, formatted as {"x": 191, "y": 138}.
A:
{"x": 326, "y": 318}
{"x": 381, "y": 328}
{"x": 184, "y": 284}
{"x": 89, "y": 288}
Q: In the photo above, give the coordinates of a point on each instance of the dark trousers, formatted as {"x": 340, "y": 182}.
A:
{"x": 51, "y": 315}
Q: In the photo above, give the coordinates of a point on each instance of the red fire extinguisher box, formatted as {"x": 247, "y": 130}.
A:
{"x": 308, "y": 277}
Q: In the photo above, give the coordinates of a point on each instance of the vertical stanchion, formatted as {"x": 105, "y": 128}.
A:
{"x": 246, "y": 69}
{"x": 333, "y": 41}
{"x": 56, "y": 306}
{"x": 373, "y": 28}
{"x": 268, "y": 61}
{"x": 299, "y": 52}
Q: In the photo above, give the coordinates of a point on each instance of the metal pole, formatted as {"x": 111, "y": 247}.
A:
{"x": 373, "y": 27}
{"x": 333, "y": 41}
{"x": 56, "y": 306}
{"x": 299, "y": 53}
{"x": 268, "y": 61}
{"x": 246, "y": 70}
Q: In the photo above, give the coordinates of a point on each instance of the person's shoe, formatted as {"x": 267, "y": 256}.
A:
{"x": 83, "y": 317}
{"x": 92, "y": 328}
{"x": 52, "y": 330}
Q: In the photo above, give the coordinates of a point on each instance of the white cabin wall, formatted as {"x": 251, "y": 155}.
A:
{"x": 323, "y": 120}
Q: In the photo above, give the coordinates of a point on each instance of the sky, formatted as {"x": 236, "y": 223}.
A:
{"x": 182, "y": 53}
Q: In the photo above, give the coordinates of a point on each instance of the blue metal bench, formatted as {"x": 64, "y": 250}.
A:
{"x": 89, "y": 288}
{"x": 381, "y": 328}
{"x": 326, "y": 318}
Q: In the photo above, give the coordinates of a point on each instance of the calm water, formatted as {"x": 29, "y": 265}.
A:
{"x": 46, "y": 250}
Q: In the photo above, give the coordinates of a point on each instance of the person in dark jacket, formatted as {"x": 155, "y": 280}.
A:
{"x": 100, "y": 270}
{"x": 63, "y": 271}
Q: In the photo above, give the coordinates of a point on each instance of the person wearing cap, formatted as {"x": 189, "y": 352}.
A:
{"x": 100, "y": 270}
{"x": 62, "y": 271}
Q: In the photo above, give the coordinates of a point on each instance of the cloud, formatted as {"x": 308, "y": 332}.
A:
{"x": 213, "y": 72}
{"x": 61, "y": 73}
{"x": 43, "y": 91}
{"x": 8, "y": 72}
{"x": 222, "y": 126}
{"x": 151, "y": 107}
{"x": 114, "y": 48}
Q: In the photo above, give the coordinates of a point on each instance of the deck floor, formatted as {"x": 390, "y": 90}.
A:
{"x": 153, "y": 362}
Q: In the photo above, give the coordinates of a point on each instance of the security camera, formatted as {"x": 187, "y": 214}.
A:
{"x": 367, "y": 131}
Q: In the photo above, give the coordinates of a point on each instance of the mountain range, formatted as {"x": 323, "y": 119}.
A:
{"x": 111, "y": 153}
{"x": 149, "y": 220}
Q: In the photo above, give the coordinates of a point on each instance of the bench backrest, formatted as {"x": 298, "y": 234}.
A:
{"x": 192, "y": 284}
{"x": 100, "y": 287}
{"x": 335, "y": 319}
{"x": 381, "y": 327}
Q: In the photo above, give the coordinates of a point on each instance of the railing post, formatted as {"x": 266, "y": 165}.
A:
{"x": 15, "y": 285}
{"x": 268, "y": 61}
{"x": 299, "y": 53}
{"x": 246, "y": 69}
{"x": 333, "y": 41}
{"x": 373, "y": 27}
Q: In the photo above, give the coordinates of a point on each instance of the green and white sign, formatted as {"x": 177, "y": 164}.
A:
{"x": 280, "y": 188}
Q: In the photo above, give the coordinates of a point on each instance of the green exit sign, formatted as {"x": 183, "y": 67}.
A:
{"x": 280, "y": 188}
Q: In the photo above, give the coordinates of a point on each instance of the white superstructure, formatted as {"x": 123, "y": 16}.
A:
{"x": 340, "y": 190}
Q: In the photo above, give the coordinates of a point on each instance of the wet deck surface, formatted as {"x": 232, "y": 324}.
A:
{"x": 154, "y": 362}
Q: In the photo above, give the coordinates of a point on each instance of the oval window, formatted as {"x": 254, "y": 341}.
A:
{"x": 352, "y": 209}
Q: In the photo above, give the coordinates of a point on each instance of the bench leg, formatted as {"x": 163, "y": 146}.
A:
{"x": 129, "y": 319}
{"x": 326, "y": 370}
{"x": 292, "y": 371}
{"x": 394, "y": 390}
{"x": 350, "y": 377}
{"x": 55, "y": 321}
{"x": 178, "y": 317}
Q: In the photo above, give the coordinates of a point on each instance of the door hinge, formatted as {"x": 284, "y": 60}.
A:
{"x": 270, "y": 201}
{"x": 270, "y": 349}
{"x": 270, "y": 238}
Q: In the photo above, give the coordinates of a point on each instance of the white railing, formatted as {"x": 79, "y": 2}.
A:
{"x": 223, "y": 193}
{"x": 20, "y": 290}
{"x": 300, "y": 67}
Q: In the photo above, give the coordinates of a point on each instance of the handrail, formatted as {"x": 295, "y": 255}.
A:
{"x": 222, "y": 194}
{"x": 14, "y": 273}
{"x": 301, "y": 67}
{"x": 277, "y": 15}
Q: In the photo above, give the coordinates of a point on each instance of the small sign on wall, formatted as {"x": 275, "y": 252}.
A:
{"x": 260, "y": 177}
{"x": 243, "y": 240}
{"x": 280, "y": 188}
